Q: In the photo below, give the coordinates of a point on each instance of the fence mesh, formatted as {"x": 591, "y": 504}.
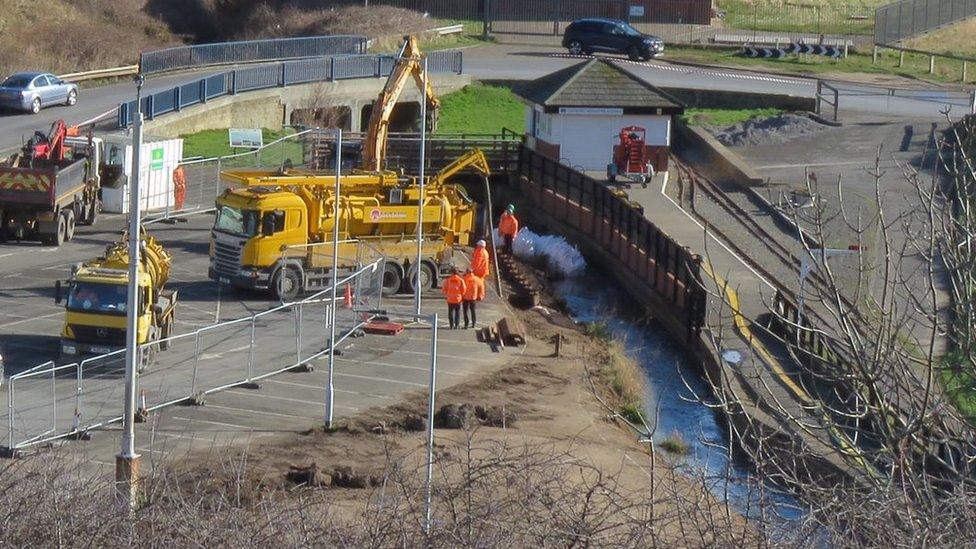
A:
{"x": 49, "y": 401}
{"x": 907, "y": 18}
{"x": 184, "y": 57}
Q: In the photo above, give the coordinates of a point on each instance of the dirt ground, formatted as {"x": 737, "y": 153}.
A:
{"x": 554, "y": 409}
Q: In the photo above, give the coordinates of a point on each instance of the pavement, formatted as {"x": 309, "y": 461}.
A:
{"x": 372, "y": 370}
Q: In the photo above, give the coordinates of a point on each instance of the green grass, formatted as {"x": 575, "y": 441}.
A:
{"x": 632, "y": 413}
{"x": 674, "y": 444}
{"x": 599, "y": 330}
{"x": 725, "y": 117}
{"x": 915, "y": 66}
{"x": 810, "y": 16}
{"x": 478, "y": 108}
{"x": 213, "y": 143}
{"x": 959, "y": 384}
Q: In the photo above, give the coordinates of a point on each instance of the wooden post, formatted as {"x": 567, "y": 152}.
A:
{"x": 874, "y": 54}
{"x": 901, "y": 58}
{"x": 965, "y": 67}
{"x": 931, "y": 64}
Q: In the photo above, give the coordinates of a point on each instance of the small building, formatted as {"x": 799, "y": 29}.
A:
{"x": 575, "y": 115}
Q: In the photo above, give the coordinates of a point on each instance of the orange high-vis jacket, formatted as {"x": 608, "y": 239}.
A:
{"x": 479, "y": 262}
{"x": 453, "y": 289}
{"x": 474, "y": 287}
{"x": 508, "y": 225}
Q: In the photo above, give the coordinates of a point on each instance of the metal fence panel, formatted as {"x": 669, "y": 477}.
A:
{"x": 906, "y": 18}
{"x": 183, "y": 57}
{"x": 355, "y": 66}
{"x": 191, "y": 94}
{"x": 312, "y": 70}
{"x": 257, "y": 78}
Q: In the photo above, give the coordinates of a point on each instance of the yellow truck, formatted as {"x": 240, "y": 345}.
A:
{"x": 268, "y": 218}
{"x": 96, "y": 297}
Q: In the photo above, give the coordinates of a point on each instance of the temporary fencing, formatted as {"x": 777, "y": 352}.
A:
{"x": 50, "y": 402}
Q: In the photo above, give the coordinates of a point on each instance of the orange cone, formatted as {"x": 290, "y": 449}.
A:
{"x": 348, "y": 298}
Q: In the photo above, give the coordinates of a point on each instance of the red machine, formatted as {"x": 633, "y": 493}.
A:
{"x": 631, "y": 158}
{"x": 47, "y": 147}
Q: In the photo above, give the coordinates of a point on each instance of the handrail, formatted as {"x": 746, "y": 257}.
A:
{"x": 126, "y": 70}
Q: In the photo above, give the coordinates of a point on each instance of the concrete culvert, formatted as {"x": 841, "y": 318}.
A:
{"x": 767, "y": 131}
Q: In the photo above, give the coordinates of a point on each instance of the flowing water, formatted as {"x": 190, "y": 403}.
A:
{"x": 677, "y": 401}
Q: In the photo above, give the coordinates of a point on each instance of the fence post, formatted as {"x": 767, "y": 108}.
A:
{"x": 177, "y": 98}
{"x": 78, "y": 389}
{"x": 931, "y": 64}
{"x": 10, "y": 417}
{"x": 196, "y": 360}
{"x": 298, "y": 332}
{"x": 485, "y": 22}
{"x": 151, "y": 105}
{"x": 901, "y": 58}
{"x": 332, "y": 69}
{"x": 874, "y": 54}
{"x": 282, "y": 76}
{"x": 233, "y": 82}
{"x": 250, "y": 353}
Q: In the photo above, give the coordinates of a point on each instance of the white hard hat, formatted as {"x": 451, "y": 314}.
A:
{"x": 480, "y": 244}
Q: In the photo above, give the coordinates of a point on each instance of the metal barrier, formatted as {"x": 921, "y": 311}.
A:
{"x": 824, "y": 92}
{"x": 287, "y": 73}
{"x": 906, "y": 18}
{"x": 249, "y": 51}
{"x": 50, "y": 402}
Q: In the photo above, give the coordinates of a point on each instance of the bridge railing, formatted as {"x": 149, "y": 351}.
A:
{"x": 50, "y": 402}
{"x": 272, "y": 75}
{"x": 248, "y": 51}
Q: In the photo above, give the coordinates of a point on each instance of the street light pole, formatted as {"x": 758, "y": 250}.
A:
{"x": 423, "y": 197}
{"x": 127, "y": 462}
{"x": 330, "y": 395}
{"x": 430, "y": 421}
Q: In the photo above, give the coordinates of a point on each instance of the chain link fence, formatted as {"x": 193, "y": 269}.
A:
{"x": 907, "y": 18}
{"x": 50, "y": 402}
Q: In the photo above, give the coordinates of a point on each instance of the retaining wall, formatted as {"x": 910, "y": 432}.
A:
{"x": 719, "y": 163}
{"x": 721, "y": 99}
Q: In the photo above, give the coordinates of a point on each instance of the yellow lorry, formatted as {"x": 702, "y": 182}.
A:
{"x": 267, "y": 220}
{"x": 96, "y": 297}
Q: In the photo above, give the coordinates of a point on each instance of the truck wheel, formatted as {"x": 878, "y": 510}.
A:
{"x": 426, "y": 278}
{"x": 286, "y": 285}
{"x": 69, "y": 224}
{"x": 392, "y": 279}
{"x": 58, "y": 238}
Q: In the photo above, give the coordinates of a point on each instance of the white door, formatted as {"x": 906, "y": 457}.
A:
{"x": 586, "y": 141}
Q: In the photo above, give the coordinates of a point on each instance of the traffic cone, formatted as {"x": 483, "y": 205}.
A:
{"x": 348, "y": 299}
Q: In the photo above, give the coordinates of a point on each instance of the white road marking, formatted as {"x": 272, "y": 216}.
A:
{"x": 384, "y": 380}
{"x": 8, "y": 324}
{"x": 286, "y": 399}
{"x": 207, "y": 356}
{"x": 217, "y": 423}
{"x": 244, "y": 411}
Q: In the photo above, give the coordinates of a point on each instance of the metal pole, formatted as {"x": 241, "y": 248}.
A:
{"x": 420, "y": 202}
{"x": 250, "y": 352}
{"x": 430, "y": 418}
{"x": 127, "y": 462}
{"x": 10, "y": 417}
{"x": 330, "y": 394}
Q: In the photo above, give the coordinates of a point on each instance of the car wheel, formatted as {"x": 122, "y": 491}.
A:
{"x": 72, "y": 98}
{"x": 576, "y": 47}
{"x": 35, "y": 106}
{"x": 634, "y": 54}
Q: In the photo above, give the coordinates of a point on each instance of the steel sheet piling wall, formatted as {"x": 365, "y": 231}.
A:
{"x": 618, "y": 226}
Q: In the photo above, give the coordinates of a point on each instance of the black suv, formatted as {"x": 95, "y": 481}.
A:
{"x": 586, "y": 36}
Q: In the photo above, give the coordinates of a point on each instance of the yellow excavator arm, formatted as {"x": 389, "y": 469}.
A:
{"x": 474, "y": 158}
{"x": 409, "y": 63}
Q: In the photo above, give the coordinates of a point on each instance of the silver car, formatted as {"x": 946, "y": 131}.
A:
{"x": 32, "y": 91}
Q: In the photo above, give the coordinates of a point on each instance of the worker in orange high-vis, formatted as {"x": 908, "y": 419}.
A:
{"x": 474, "y": 291}
{"x": 508, "y": 227}
{"x": 480, "y": 265}
{"x": 453, "y": 289}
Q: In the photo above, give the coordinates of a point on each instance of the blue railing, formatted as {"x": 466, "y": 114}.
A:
{"x": 279, "y": 75}
{"x": 250, "y": 51}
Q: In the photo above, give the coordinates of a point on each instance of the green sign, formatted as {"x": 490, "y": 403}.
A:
{"x": 156, "y": 159}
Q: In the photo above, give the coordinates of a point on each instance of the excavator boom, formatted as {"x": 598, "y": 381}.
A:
{"x": 474, "y": 158}
{"x": 408, "y": 64}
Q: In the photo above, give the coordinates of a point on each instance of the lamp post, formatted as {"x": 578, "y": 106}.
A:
{"x": 330, "y": 393}
{"x": 127, "y": 462}
{"x": 421, "y": 201}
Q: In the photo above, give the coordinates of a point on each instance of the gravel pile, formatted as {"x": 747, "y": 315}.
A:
{"x": 767, "y": 131}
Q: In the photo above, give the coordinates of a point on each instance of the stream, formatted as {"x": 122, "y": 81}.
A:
{"x": 672, "y": 382}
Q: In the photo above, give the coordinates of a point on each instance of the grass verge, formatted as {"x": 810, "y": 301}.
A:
{"x": 959, "y": 385}
{"x": 725, "y": 117}
{"x": 675, "y": 444}
{"x": 214, "y": 143}
{"x": 624, "y": 378}
{"x": 480, "y": 108}
{"x": 809, "y": 16}
{"x": 915, "y": 66}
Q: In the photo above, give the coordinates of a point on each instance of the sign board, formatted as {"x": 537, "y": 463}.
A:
{"x": 156, "y": 159}
{"x": 637, "y": 11}
{"x": 591, "y": 110}
{"x": 246, "y": 138}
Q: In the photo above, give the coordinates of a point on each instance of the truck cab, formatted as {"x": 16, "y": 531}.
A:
{"x": 95, "y": 311}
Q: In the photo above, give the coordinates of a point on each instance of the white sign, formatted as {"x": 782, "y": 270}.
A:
{"x": 246, "y": 138}
{"x": 591, "y": 110}
{"x": 637, "y": 11}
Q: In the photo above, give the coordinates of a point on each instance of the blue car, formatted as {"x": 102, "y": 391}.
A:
{"x": 32, "y": 91}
